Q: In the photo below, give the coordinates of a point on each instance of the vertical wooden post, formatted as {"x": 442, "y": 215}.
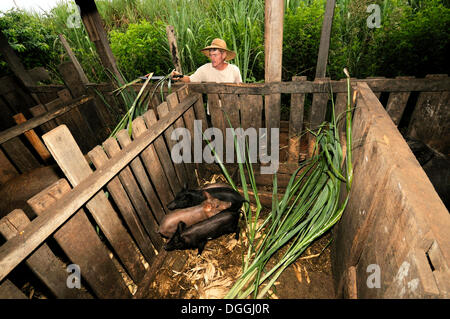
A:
{"x": 74, "y": 60}
{"x": 94, "y": 27}
{"x": 296, "y": 123}
{"x": 429, "y": 120}
{"x": 173, "y": 47}
{"x": 14, "y": 62}
{"x": 322, "y": 58}
{"x": 273, "y": 46}
{"x": 16, "y": 65}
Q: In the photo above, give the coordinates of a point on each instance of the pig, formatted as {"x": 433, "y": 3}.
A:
{"x": 197, "y": 235}
{"x": 188, "y": 197}
{"x": 209, "y": 207}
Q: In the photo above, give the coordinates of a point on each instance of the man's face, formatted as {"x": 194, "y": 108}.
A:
{"x": 217, "y": 57}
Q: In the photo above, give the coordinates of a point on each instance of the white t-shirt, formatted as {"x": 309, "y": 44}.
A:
{"x": 207, "y": 73}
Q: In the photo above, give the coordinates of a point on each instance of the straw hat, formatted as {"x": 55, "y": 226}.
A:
{"x": 219, "y": 44}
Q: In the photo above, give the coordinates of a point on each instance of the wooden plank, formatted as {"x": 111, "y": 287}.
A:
{"x": 106, "y": 121}
{"x": 67, "y": 154}
{"x": 19, "y": 247}
{"x": 15, "y": 64}
{"x": 72, "y": 78}
{"x": 144, "y": 287}
{"x": 16, "y": 101}
{"x": 340, "y": 108}
{"x": 120, "y": 196}
{"x": 272, "y": 112}
{"x": 163, "y": 110}
{"x": 350, "y": 290}
{"x": 231, "y": 106}
{"x": 33, "y": 138}
{"x": 6, "y": 84}
{"x": 251, "y": 111}
{"x": 129, "y": 183}
{"x": 97, "y": 34}
{"x": 175, "y": 181}
{"x": 429, "y": 121}
{"x": 39, "y": 110}
{"x": 20, "y": 155}
{"x": 189, "y": 115}
{"x": 83, "y": 121}
{"x": 144, "y": 182}
{"x": 189, "y": 118}
{"x": 296, "y": 123}
{"x": 173, "y": 48}
{"x": 153, "y": 164}
{"x": 397, "y": 102}
{"x": 377, "y": 92}
{"x": 377, "y": 85}
{"x": 319, "y": 106}
{"x": 36, "y": 121}
{"x": 200, "y": 113}
{"x": 7, "y": 170}
{"x": 74, "y": 59}
{"x": 89, "y": 112}
{"x": 322, "y": 58}
{"x": 215, "y": 109}
{"x": 44, "y": 264}
{"x": 39, "y": 74}
{"x": 86, "y": 250}
{"x": 273, "y": 48}
{"x": 392, "y": 210}
{"x": 9, "y": 291}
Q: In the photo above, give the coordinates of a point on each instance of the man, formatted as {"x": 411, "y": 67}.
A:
{"x": 218, "y": 70}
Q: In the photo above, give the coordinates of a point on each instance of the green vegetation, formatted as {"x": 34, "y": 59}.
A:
{"x": 309, "y": 207}
{"x": 413, "y": 38}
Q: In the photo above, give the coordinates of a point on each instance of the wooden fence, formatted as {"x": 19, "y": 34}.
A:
{"x": 417, "y": 106}
{"x": 140, "y": 178}
{"x": 392, "y": 240}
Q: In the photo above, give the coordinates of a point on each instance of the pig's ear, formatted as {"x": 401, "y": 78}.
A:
{"x": 207, "y": 195}
{"x": 181, "y": 227}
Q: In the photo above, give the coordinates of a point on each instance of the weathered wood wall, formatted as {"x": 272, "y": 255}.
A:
{"x": 140, "y": 179}
{"x": 21, "y": 150}
{"x": 395, "y": 224}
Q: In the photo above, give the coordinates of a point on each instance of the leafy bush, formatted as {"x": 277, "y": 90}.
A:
{"x": 301, "y": 39}
{"x": 141, "y": 49}
{"x": 31, "y": 40}
{"x": 413, "y": 38}
{"x": 418, "y": 44}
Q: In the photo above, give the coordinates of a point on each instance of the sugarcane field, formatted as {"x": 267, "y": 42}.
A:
{"x": 198, "y": 150}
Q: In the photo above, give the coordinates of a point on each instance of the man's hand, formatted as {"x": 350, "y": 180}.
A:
{"x": 177, "y": 76}
{"x": 174, "y": 76}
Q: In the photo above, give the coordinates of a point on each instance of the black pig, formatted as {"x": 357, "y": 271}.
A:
{"x": 189, "y": 197}
{"x": 197, "y": 235}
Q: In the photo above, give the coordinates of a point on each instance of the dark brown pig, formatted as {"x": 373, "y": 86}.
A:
{"x": 192, "y": 197}
{"x": 196, "y": 236}
{"x": 192, "y": 215}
